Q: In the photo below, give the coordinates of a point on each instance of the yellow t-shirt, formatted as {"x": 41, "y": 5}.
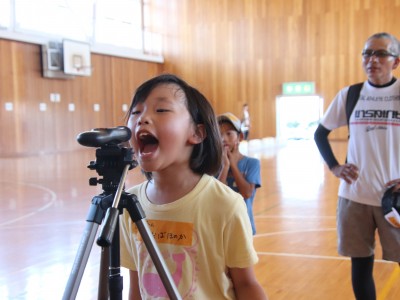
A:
{"x": 199, "y": 236}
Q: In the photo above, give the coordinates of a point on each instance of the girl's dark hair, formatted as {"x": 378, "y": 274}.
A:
{"x": 206, "y": 156}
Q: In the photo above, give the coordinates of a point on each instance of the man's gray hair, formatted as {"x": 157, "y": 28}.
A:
{"x": 394, "y": 42}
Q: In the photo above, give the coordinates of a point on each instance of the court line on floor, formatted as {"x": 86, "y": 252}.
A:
{"x": 260, "y": 235}
{"x": 314, "y": 256}
{"x": 294, "y": 217}
{"x": 62, "y": 223}
{"x": 304, "y": 255}
{"x": 53, "y": 198}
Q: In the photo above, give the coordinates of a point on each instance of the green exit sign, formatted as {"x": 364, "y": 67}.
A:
{"x": 298, "y": 88}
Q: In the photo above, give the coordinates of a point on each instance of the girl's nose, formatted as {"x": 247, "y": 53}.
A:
{"x": 143, "y": 119}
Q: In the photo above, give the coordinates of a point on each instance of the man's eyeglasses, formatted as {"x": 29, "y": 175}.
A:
{"x": 377, "y": 53}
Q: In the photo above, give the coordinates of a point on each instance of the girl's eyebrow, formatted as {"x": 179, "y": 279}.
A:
{"x": 166, "y": 100}
{"x": 162, "y": 99}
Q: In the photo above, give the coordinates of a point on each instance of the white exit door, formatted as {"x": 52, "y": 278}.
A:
{"x": 297, "y": 117}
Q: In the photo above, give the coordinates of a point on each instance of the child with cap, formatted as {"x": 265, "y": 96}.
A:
{"x": 240, "y": 172}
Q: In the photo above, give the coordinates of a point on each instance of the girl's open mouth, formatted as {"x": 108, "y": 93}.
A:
{"x": 147, "y": 143}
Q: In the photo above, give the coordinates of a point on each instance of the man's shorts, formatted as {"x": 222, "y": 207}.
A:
{"x": 356, "y": 226}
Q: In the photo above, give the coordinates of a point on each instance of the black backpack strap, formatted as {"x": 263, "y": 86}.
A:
{"x": 352, "y": 98}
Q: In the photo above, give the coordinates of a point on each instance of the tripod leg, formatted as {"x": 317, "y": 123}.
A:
{"x": 131, "y": 203}
{"x": 115, "y": 282}
{"x": 80, "y": 262}
{"x": 158, "y": 260}
{"x": 103, "y": 274}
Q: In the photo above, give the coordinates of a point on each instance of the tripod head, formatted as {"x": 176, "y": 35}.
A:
{"x": 111, "y": 155}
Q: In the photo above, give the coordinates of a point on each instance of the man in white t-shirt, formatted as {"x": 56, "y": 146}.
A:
{"x": 373, "y": 161}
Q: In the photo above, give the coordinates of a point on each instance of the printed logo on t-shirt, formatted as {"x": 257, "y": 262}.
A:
{"x": 369, "y": 111}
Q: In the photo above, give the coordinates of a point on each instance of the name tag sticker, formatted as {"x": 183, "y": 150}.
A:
{"x": 170, "y": 232}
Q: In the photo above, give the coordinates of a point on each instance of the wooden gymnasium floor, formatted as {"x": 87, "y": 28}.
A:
{"x": 45, "y": 200}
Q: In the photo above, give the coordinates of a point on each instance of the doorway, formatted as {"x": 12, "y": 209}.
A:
{"x": 297, "y": 117}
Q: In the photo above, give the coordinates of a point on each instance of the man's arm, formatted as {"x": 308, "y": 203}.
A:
{"x": 324, "y": 147}
{"x": 348, "y": 172}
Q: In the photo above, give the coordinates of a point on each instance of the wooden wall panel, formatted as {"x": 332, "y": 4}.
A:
{"x": 242, "y": 51}
{"x": 234, "y": 51}
{"x": 26, "y": 130}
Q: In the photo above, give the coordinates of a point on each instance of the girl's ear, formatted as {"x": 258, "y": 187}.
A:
{"x": 198, "y": 135}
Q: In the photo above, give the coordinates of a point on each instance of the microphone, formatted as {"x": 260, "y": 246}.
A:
{"x": 101, "y": 136}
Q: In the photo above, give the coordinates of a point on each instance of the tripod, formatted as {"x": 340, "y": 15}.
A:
{"x": 113, "y": 163}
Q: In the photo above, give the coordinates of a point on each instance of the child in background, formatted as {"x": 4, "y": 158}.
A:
{"x": 239, "y": 172}
{"x": 245, "y": 122}
{"x": 200, "y": 225}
